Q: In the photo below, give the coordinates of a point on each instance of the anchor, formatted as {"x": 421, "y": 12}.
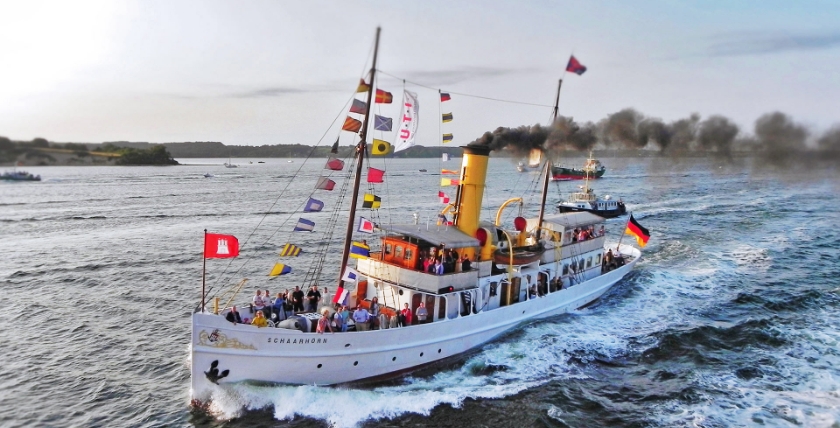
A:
{"x": 213, "y": 374}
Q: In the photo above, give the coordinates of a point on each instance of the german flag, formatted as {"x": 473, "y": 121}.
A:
{"x": 634, "y": 228}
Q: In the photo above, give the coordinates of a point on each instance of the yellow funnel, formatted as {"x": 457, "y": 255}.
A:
{"x": 471, "y": 191}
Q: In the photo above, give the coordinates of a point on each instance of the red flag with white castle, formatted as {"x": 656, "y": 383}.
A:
{"x": 217, "y": 246}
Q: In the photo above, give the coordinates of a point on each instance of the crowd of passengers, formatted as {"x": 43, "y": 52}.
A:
{"x": 335, "y": 319}
{"x": 444, "y": 260}
{"x": 583, "y": 234}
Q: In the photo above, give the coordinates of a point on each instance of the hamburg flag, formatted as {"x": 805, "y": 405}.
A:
{"x": 383, "y": 97}
{"x": 325, "y": 183}
{"x": 280, "y": 269}
{"x": 634, "y": 228}
{"x": 443, "y": 198}
{"x": 372, "y": 201}
{"x": 359, "y": 250}
{"x": 351, "y": 125}
{"x": 290, "y": 250}
{"x": 313, "y": 206}
{"x": 446, "y": 117}
{"x": 304, "y": 225}
{"x": 220, "y": 246}
{"x": 444, "y": 96}
{"x": 375, "y": 175}
{"x": 382, "y": 123}
{"x": 358, "y": 106}
{"x": 574, "y": 66}
{"x": 365, "y": 225}
{"x": 334, "y": 164}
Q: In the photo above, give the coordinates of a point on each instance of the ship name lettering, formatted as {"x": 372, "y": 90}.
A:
{"x": 288, "y": 341}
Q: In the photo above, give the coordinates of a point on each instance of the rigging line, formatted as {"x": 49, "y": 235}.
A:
{"x": 465, "y": 94}
{"x": 282, "y": 192}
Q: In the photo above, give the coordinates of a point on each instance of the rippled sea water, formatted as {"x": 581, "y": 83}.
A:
{"x": 731, "y": 319}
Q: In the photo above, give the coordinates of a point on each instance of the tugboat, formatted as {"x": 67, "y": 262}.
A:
{"x": 19, "y": 176}
{"x": 591, "y": 169}
{"x": 587, "y": 201}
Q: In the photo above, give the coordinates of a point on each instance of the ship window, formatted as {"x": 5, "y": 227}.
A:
{"x": 569, "y": 236}
{"x": 598, "y": 260}
{"x": 388, "y": 248}
{"x": 398, "y": 251}
{"x": 589, "y": 263}
{"x": 580, "y": 265}
{"x": 408, "y": 253}
{"x": 565, "y": 269}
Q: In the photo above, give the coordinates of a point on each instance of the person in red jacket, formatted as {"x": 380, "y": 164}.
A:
{"x": 405, "y": 316}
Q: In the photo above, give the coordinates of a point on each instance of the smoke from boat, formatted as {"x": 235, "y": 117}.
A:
{"x": 776, "y": 138}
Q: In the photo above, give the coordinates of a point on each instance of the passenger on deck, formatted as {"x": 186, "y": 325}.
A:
{"x": 342, "y": 315}
{"x": 258, "y": 303}
{"x": 297, "y": 299}
{"x": 428, "y": 261}
{"x": 422, "y": 313}
{"x": 438, "y": 267}
{"x": 361, "y": 318}
{"x": 602, "y": 232}
{"x": 233, "y": 316}
{"x": 279, "y": 306}
{"x": 609, "y": 260}
{"x": 324, "y": 322}
{"x": 465, "y": 263}
{"x": 405, "y": 316}
{"x": 374, "y": 313}
{"x": 259, "y": 320}
{"x": 313, "y": 297}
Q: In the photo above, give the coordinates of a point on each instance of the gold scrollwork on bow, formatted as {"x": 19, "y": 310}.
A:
{"x": 217, "y": 339}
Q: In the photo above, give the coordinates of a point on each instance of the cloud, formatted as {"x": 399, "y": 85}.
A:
{"x": 452, "y": 76}
{"x": 735, "y": 44}
{"x": 271, "y": 92}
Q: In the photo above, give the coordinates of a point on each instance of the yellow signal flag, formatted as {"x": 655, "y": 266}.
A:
{"x": 280, "y": 269}
{"x": 381, "y": 148}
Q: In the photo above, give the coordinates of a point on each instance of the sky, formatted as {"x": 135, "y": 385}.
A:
{"x": 283, "y": 72}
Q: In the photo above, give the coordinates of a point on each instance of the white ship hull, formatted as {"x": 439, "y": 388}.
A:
{"x": 293, "y": 357}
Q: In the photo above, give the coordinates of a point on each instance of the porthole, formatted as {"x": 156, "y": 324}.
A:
{"x": 421, "y": 354}
{"x": 319, "y": 365}
{"x": 401, "y": 292}
{"x": 355, "y": 363}
{"x": 347, "y": 345}
{"x": 393, "y": 358}
{"x": 438, "y": 351}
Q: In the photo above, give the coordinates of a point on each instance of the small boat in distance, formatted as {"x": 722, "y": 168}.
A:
{"x": 423, "y": 170}
{"x": 586, "y": 201}
{"x": 19, "y": 176}
{"x": 444, "y": 157}
{"x": 591, "y": 169}
{"x": 260, "y": 161}
{"x": 208, "y": 175}
{"x": 534, "y": 160}
{"x": 230, "y": 164}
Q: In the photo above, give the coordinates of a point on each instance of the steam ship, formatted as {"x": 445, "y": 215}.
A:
{"x": 591, "y": 169}
{"x": 537, "y": 269}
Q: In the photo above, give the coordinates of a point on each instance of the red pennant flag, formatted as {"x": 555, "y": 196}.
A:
{"x": 575, "y": 66}
{"x": 383, "y": 97}
{"x": 334, "y": 164}
{"x": 375, "y": 175}
{"x": 325, "y": 183}
{"x": 218, "y": 246}
{"x": 351, "y": 125}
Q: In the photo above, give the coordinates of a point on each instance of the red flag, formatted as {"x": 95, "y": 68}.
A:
{"x": 443, "y": 198}
{"x": 375, "y": 175}
{"x": 325, "y": 183}
{"x": 574, "y": 66}
{"x": 351, "y": 125}
{"x": 444, "y": 96}
{"x": 218, "y": 246}
{"x": 334, "y": 164}
{"x": 383, "y": 97}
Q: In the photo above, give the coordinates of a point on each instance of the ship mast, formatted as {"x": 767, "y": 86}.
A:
{"x": 361, "y": 148}
{"x": 547, "y": 174}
